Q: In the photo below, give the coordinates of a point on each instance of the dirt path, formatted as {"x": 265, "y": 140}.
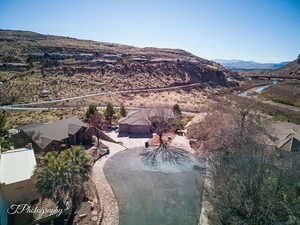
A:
{"x": 106, "y": 195}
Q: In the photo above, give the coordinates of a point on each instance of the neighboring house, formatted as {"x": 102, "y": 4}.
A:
{"x": 135, "y": 122}
{"x": 20, "y": 138}
{"x": 285, "y": 136}
{"x": 290, "y": 143}
{"x": 138, "y": 123}
{"x": 50, "y": 136}
{"x": 16, "y": 176}
{"x": 92, "y": 131}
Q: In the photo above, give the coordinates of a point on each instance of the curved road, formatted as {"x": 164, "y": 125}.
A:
{"x": 17, "y": 106}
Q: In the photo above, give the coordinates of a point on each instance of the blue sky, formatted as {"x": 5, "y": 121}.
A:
{"x": 260, "y": 30}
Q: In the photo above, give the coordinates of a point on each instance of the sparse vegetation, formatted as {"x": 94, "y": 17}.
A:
{"x": 278, "y": 113}
{"x": 285, "y": 92}
{"x": 24, "y": 117}
{"x": 65, "y": 75}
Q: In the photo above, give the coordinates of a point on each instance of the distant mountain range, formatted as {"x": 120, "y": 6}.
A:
{"x": 249, "y": 65}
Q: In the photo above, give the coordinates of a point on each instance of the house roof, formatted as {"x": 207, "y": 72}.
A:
{"x": 16, "y": 165}
{"x": 28, "y": 126}
{"x": 291, "y": 143}
{"x": 141, "y": 117}
{"x": 44, "y": 134}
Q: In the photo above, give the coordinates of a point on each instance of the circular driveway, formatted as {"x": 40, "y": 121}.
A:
{"x": 165, "y": 195}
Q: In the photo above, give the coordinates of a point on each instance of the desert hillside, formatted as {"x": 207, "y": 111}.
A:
{"x": 293, "y": 68}
{"x": 33, "y": 64}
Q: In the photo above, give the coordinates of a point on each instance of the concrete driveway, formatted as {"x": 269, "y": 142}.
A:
{"x": 166, "y": 195}
{"x": 182, "y": 142}
{"x": 128, "y": 142}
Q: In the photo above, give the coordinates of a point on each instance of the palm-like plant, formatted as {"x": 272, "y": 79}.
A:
{"x": 60, "y": 177}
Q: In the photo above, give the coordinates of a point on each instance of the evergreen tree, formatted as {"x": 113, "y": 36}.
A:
{"x": 176, "y": 110}
{"x": 91, "y": 111}
{"x": 109, "y": 112}
{"x": 123, "y": 111}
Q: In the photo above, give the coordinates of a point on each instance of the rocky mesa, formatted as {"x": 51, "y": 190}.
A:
{"x": 31, "y": 63}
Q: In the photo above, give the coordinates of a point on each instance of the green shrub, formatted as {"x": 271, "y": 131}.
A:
{"x": 91, "y": 111}
{"x": 123, "y": 111}
{"x": 176, "y": 110}
{"x": 109, "y": 112}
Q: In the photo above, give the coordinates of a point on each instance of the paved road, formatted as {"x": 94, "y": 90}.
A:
{"x": 17, "y": 106}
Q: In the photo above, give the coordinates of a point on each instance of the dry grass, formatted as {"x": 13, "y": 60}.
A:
{"x": 25, "y": 117}
{"x": 192, "y": 100}
{"x": 189, "y": 100}
{"x": 286, "y": 93}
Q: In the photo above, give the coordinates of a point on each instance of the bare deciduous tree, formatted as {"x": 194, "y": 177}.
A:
{"x": 161, "y": 118}
{"x": 95, "y": 125}
{"x": 248, "y": 182}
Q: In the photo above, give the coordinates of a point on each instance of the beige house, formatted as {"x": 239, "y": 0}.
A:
{"x": 16, "y": 176}
{"x": 138, "y": 123}
{"x": 135, "y": 122}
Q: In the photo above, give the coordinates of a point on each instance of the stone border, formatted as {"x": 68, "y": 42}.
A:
{"x": 110, "y": 207}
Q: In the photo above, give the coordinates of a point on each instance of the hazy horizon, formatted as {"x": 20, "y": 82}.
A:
{"x": 261, "y": 31}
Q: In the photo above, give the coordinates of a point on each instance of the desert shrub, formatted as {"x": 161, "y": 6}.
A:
{"x": 176, "y": 110}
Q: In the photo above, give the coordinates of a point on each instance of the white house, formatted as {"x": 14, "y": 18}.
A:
{"x": 16, "y": 176}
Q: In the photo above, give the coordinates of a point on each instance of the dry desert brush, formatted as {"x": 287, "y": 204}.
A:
{"x": 250, "y": 183}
